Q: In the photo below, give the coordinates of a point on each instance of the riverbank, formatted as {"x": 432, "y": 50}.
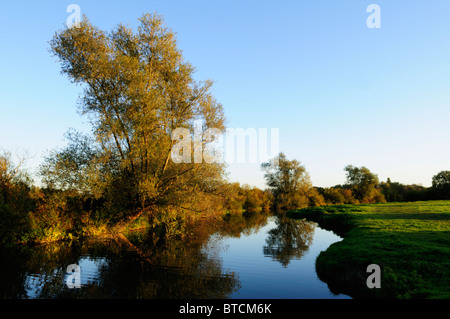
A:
{"x": 409, "y": 241}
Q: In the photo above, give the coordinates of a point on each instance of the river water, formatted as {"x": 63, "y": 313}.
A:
{"x": 258, "y": 257}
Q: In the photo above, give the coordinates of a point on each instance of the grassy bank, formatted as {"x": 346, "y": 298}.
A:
{"x": 409, "y": 241}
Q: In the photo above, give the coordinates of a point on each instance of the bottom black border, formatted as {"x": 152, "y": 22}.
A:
{"x": 224, "y": 308}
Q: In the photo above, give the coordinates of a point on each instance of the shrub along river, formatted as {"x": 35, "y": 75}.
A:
{"x": 253, "y": 257}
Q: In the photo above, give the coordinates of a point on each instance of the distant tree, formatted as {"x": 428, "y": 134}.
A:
{"x": 245, "y": 199}
{"x": 441, "y": 180}
{"x": 315, "y": 197}
{"x": 332, "y": 196}
{"x": 397, "y": 192}
{"x": 393, "y": 191}
{"x": 441, "y": 184}
{"x": 253, "y": 199}
{"x": 349, "y": 197}
{"x": 234, "y": 198}
{"x": 288, "y": 181}
{"x": 257, "y": 200}
{"x": 416, "y": 192}
{"x": 363, "y": 184}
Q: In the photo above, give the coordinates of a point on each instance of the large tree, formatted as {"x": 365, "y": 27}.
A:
{"x": 288, "y": 181}
{"x": 137, "y": 91}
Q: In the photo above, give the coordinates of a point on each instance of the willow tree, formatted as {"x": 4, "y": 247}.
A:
{"x": 289, "y": 183}
{"x": 137, "y": 89}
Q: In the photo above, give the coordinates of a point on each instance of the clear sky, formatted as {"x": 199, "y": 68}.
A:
{"x": 339, "y": 92}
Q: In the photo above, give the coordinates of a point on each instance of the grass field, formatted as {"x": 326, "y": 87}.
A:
{"x": 409, "y": 241}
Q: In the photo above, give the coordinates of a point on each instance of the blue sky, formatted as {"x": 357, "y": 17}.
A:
{"x": 339, "y": 92}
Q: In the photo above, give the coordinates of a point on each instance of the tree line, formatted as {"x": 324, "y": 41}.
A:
{"x": 31, "y": 214}
{"x": 291, "y": 187}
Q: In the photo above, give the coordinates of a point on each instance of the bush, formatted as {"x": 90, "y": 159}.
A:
{"x": 16, "y": 201}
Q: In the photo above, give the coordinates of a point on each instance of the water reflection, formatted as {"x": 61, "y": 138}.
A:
{"x": 176, "y": 271}
{"x": 144, "y": 266}
{"x": 289, "y": 240}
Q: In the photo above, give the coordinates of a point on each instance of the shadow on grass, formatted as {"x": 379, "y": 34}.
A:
{"x": 410, "y": 216}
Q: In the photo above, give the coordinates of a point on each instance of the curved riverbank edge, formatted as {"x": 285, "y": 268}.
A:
{"x": 409, "y": 241}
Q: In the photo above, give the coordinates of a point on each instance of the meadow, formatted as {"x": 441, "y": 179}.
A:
{"x": 409, "y": 241}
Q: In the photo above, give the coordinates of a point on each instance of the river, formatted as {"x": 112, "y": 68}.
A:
{"x": 258, "y": 257}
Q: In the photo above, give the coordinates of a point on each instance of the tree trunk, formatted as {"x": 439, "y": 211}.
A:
{"x": 124, "y": 223}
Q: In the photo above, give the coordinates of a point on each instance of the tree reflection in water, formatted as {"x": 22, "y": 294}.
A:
{"x": 140, "y": 266}
{"x": 290, "y": 239}
{"x": 145, "y": 266}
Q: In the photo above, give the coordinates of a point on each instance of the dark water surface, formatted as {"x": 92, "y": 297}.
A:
{"x": 256, "y": 257}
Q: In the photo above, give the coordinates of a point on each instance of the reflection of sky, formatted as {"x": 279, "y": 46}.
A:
{"x": 90, "y": 268}
{"x": 263, "y": 277}
{"x": 34, "y": 283}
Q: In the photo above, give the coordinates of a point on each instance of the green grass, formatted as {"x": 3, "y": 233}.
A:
{"x": 409, "y": 241}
